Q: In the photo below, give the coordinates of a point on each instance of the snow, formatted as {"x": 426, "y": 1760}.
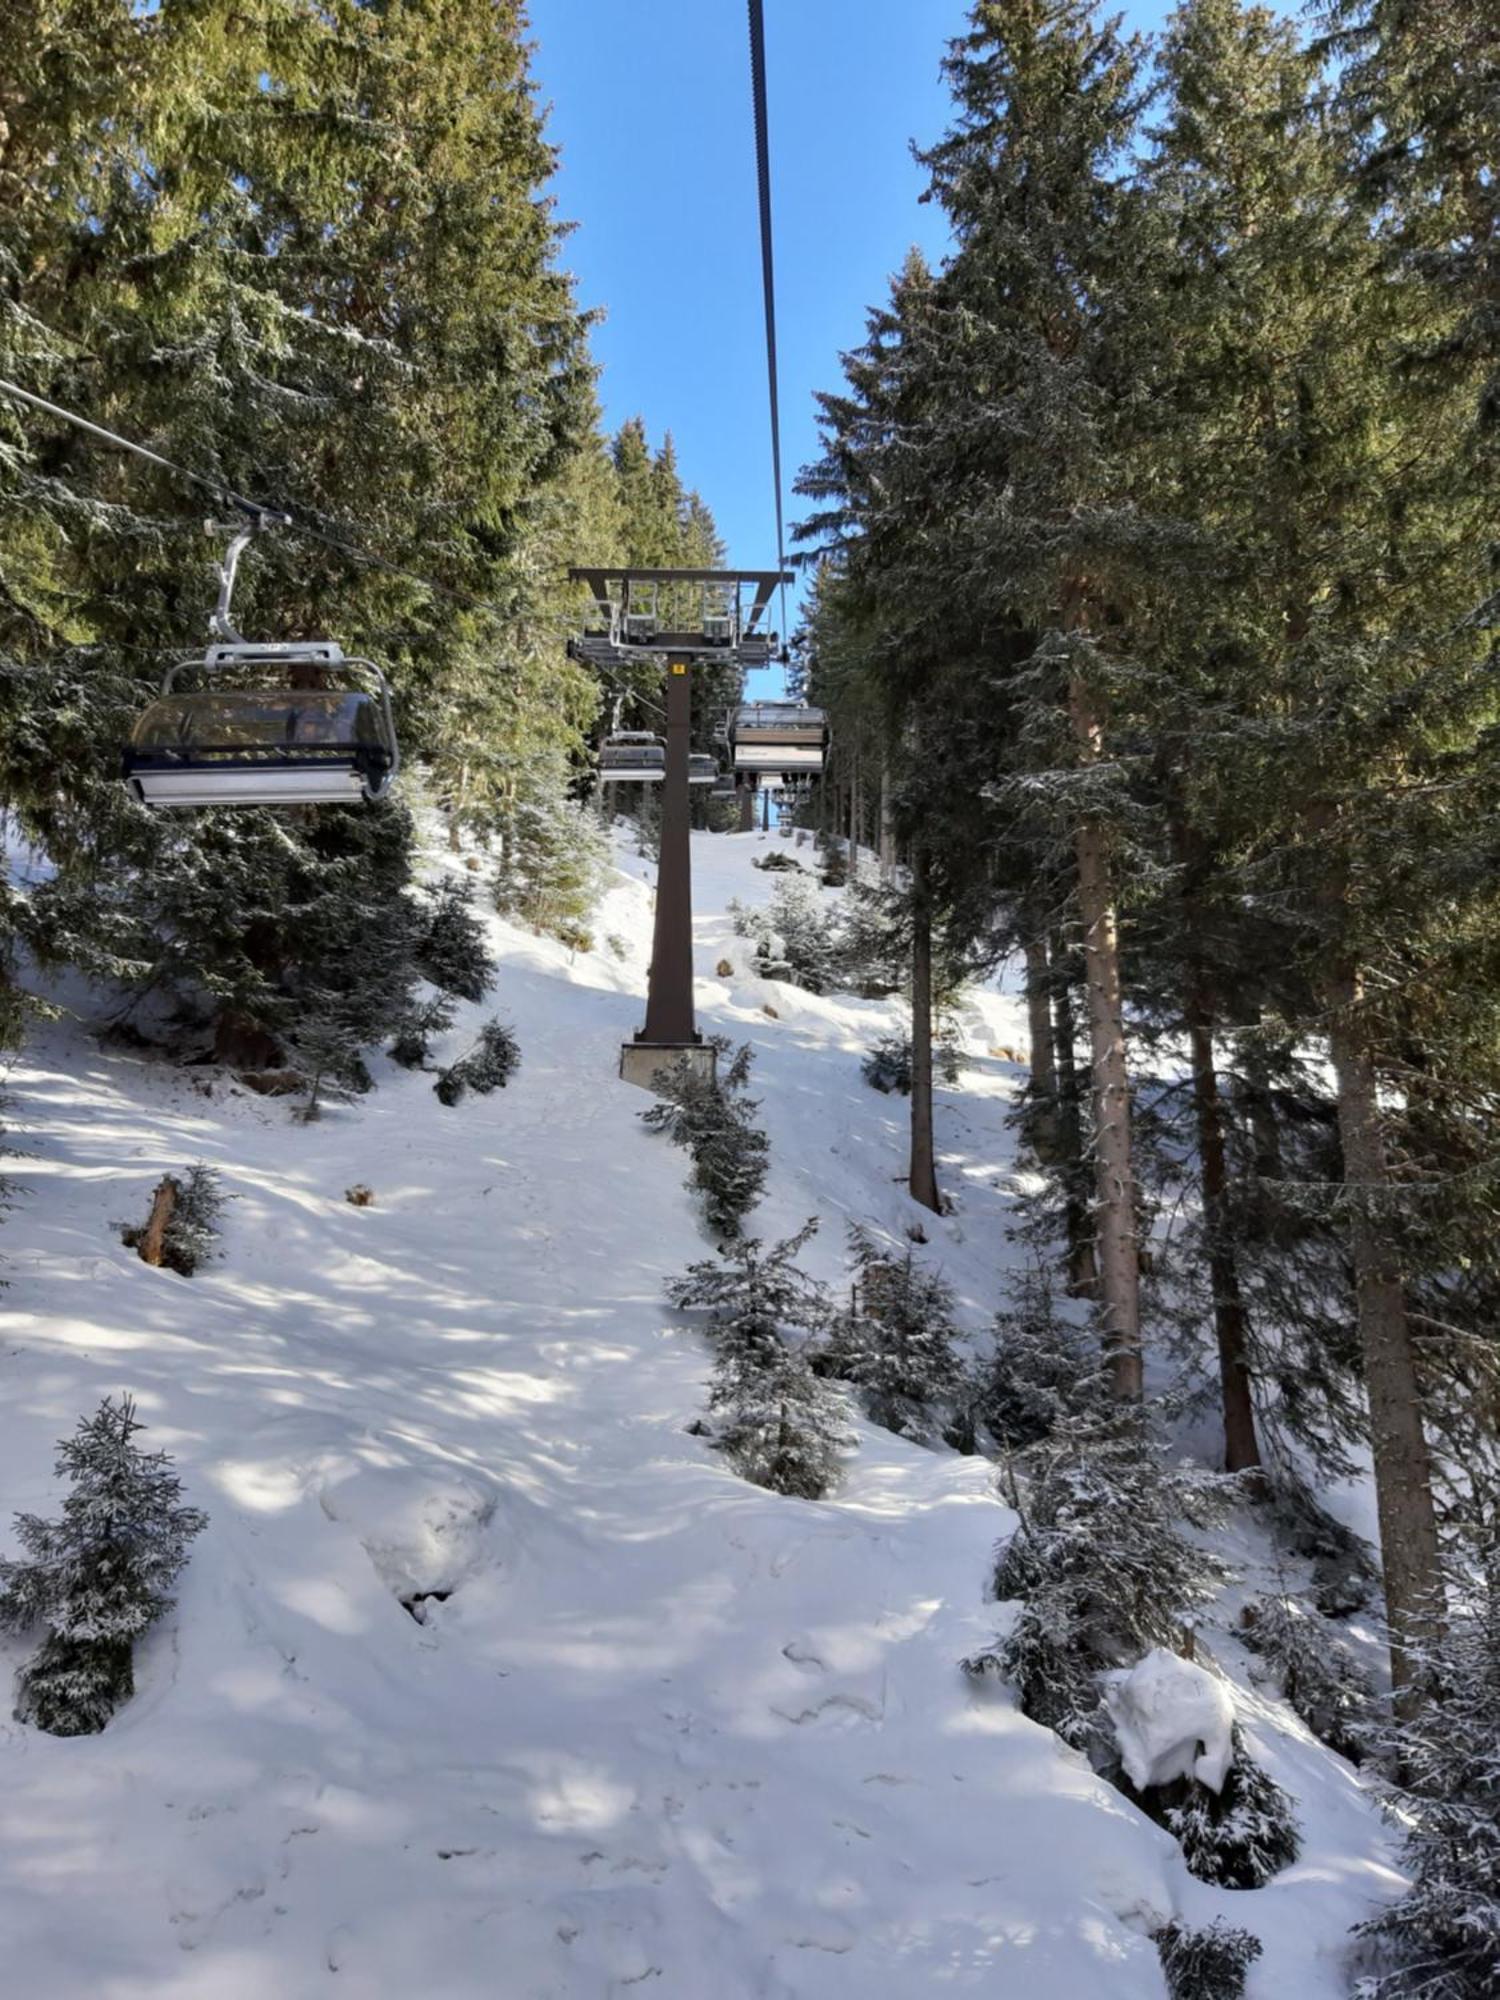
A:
{"x": 665, "y": 1731}
{"x": 1172, "y": 1720}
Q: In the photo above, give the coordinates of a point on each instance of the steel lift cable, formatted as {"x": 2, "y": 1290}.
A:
{"x": 767, "y": 265}
{"x": 260, "y": 512}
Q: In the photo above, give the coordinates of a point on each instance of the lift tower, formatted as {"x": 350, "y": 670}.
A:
{"x": 674, "y": 617}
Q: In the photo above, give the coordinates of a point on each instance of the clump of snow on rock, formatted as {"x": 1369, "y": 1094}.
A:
{"x": 1172, "y": 1720}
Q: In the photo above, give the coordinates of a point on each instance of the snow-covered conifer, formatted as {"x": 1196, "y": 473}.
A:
{"x": 1043, "y": 1368}
{"x": 99, "y": 1576}
{"x": 712, "y": 1121}
{"x": 1314, "y": 1672}
{"x": 425, "y": 1018}
{"x": 896, "y": 1340}
{"x": 777, "y": 1423}
{"x": 1207, "y": 1964}
{"x": 1441, "y": 1941}
{"x": 1241, "y": 1835}
{"x": 1100, "y": 1563}
{"x": 451, "y": 952}
{"x": 794, "y": 935}
{"x": 887, "y": 1066}
{"x": 192, "y": 1234}
{"x": 488, "y": 1065}
{"x": 552, "y": 871}
{"x": 753, "y": 1294}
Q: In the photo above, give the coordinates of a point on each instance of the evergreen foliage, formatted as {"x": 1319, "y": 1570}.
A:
{"x": 452, "y": 955}
{"x": 1100, "y": 1564}
{"x": 780, "y": 1426}
{"x": 1240, "y": 1836}
{"x": 712, "y": 1120}
{"x": 1206, "y": 1964}
{"x": 1438, "y": 1942}
{"x": 752, "y": 1293}
{"x": 424, "y": 1019}
{"x": 1043, "y": 1370}
{"x": 895, "y": 1341}
{"x": 552, "y": 869}
{"x": 489, "y": 1065}
{"x": 887, "y": 1067}
{"x": 98, "y": 1577}
{"x": 1314, "y": 1672}
{"x": 777, "y": 1423}
{"x": 794, "y": 936}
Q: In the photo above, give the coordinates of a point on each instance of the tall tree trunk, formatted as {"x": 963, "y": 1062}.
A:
{"x": 887, "y": 836}
{"x": 1114, "y": 1180}
{"x": 922, "y": 1179}
{"x": 1083, "y": 1267}
{"x": 1041, "y": 1109}
{"x": 1241, "y": 1447}
{"x": 1403, "y": 1471}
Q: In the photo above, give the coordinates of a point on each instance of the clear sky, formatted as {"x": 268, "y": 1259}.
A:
{"x": 650, "y": 105}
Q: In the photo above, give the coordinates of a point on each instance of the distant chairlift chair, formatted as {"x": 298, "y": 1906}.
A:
{"x": 784, "y": 737}
{"x": 633, "y": 757}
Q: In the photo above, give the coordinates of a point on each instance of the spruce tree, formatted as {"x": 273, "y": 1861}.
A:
{"x": 1438, "y": 1942}
{"x": 98, "y": 1577}
{"x": 895, "y": 1341}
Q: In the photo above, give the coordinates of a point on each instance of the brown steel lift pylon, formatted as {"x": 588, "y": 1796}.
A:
{"x": 674, "y": 617}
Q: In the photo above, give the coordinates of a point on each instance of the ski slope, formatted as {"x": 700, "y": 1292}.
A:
{"x": 665, "y": 1732}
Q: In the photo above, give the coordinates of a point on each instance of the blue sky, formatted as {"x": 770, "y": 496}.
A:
{"x": 650, "y": 104}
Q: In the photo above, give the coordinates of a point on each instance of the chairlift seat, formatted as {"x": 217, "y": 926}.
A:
{"x": 632, "y": 758}
{"x": 784, "y": 736}
{"x": 703, "y": 769}
{"x": 262, "y": 747}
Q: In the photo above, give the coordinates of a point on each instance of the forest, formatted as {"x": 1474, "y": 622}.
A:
{"x": 1151, "y": 580}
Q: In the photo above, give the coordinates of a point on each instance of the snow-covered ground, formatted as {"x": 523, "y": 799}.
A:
{"x": 666, "y": 1731}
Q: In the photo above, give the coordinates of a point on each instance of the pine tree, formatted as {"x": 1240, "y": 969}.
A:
{"x": 1438, "y": 1942}
{"x": 777, "y": 1423}
{"x": 1207, "y": 1964}
{"x": 98, "y": 1577}
{"x": 752, "y": 1294}
{"x": 895, "y": 1342}
{"x": 1314, "y": 1672}
{"x": 712, "y": 1120}
{"x": 453, "y": 954}
{"x": 1241, "y": 1835}
{"x": 1100, "y": 1563}
{"x": 489, "y": 1065}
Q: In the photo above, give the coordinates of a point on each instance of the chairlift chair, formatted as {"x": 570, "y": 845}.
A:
{"x": 259, "y": 745}
{"x": 703, "y": 769}
{"x": 779, "y": 736}
{"x": 633, "y": 757}
{"x": 264, "y": 746}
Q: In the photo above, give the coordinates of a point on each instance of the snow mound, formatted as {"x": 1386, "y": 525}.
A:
{"x": 422, "y": 1537}
{"x": 1172, "y": 1720}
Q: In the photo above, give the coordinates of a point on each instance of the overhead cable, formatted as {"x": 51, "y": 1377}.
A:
{"x": 263, "y": 513}
{"x": 767, "y": 262}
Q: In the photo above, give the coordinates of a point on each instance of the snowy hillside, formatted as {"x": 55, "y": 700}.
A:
{"x": 488, "y": 1677}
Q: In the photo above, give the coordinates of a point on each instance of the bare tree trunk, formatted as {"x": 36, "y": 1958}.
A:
{"x": 1403, "y": 1472}
{"x": 1041, "y": 1110}
{"x": 1114, "y": 1180}
{"x": 154, "y": 1235}
{"x": 1083, "y": 1267}
{"x": 1241, "y": 1447}
{"x": 922, "y": 1179}
{"x": 887, "y": 837}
